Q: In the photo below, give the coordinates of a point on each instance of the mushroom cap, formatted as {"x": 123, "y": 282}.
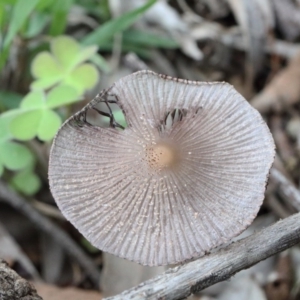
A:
{"x": 158, "y": 194}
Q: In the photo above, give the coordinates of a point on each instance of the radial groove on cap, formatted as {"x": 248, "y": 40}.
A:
{"x": 201, "y": 185}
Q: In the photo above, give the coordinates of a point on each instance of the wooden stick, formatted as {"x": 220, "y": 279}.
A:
{"x": 286, "y": 188}
{"x": 52, "y": 229}
{"x": 180, "y": 282}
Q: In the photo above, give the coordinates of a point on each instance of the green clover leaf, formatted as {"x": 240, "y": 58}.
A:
{"x": 13, "y": 156}
{"x": 26, "y": 182}
{"x": 49, "y": 125}
{"x": 47, "y": 71}
{"x": 65, "y": 49}
{"x": 36, "y": 117}
{"x": 84, "y": 77}
{"x": 61, "y": 95}
{"x": 64, "y": 65}
{"x": 69, "y": 53}
{"x": 1, "y": 169}
{"x": 5, "y": 119}
{"x": 16, "y": 157}
{"x": 4, "y": 130}
{"x": 35, "y": 99}
{"x": 25, "y": 126}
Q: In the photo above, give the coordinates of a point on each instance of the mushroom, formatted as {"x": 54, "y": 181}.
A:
{"x": 187, "y": 174}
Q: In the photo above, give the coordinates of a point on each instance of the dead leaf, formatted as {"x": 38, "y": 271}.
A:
{"x": 254, "y": 25}
{"x": 280, "y": 281}
{"x": 282, "y": 91}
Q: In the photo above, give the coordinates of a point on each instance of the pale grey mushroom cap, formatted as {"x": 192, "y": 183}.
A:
{"x": 161, "y": 194}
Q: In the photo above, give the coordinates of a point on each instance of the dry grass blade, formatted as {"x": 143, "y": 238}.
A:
{"x": 288, "y": 15}
{"x": 254, "y": 26}
{"x": 229, "y": 37}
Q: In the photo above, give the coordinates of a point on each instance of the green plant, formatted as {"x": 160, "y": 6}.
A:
{"x": 19, "y": 11}
{"x": 37, "y": 118}
{"x": 26, "y": 181}
{"x": 64, "y": 65}
{"x": 104, "y": 33}
{"x": 13, "y": 156}
{"x": 62, "y": 77}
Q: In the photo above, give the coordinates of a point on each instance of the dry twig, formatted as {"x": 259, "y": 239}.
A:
{"x": 283, "y": 145}
{"x": 50, "y": 228}
{"x": 274, "y": 204}
{"x": 286, "y": 188}
{"x": 180, "y": 282}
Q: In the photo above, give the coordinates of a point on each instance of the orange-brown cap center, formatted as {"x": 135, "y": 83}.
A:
{"x": 161, "y": 156}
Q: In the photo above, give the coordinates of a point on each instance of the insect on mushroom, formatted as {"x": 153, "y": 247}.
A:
{"x": 187, "y": 174}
